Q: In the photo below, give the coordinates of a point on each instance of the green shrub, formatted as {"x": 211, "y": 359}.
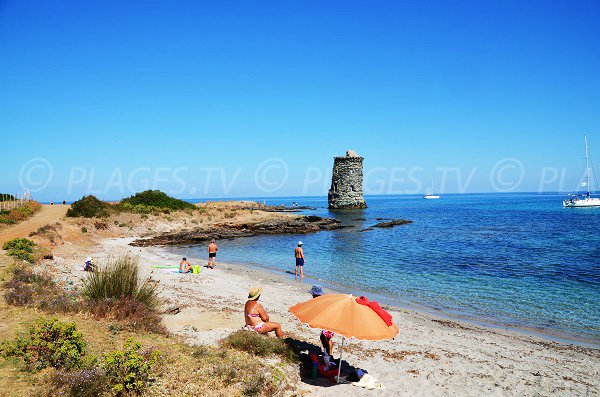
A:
{"x": 6, "y": 197}
{"x": 20, "y": 248}
{"x": 49, "y": 343}
{"x": 128, "y": 371}
{"x": 89, "y": 207}
{"x": 84, "y": 229}
{"x": 259, "y": 345}
{"x": 156, "y": 199}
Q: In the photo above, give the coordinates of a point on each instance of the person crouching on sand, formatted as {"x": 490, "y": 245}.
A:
{"x": 257, "y": 318}
{"x": 184, "y": 266}
{"x": 212, "y": 253}
{"x": 326, "y": 336}
{"x": 299, "y": 254}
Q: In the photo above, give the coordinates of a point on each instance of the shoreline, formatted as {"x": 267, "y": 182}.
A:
{"x": 430, "y": 355}
{"x": 395, "y": 303}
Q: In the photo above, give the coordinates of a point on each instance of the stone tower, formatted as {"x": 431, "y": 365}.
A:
{"x": 346, "y": 182}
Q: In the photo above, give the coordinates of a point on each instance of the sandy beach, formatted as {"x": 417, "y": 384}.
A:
{"x": 430, "y": 356}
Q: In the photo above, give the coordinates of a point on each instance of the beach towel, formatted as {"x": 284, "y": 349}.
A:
{"x": 369, "y": 382}
{"x": 385, "y": 316}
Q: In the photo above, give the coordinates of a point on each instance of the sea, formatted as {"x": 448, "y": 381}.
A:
{"x": 515, "y": 261}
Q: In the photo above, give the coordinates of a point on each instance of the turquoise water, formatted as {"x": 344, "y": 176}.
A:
{"x": 519, "y": 260}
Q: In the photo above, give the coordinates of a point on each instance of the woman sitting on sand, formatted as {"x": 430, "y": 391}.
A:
{"x": 185, "y": 266}
{"x": 256, "y": 317}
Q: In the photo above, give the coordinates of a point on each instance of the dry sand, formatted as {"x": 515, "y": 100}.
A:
{"x": 430, "y": 356}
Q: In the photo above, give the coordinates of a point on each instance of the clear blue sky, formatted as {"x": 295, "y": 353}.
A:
{"x": 120, "y": 94}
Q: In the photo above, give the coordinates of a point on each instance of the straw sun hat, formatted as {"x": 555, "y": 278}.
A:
{"x": 254, "y": 293}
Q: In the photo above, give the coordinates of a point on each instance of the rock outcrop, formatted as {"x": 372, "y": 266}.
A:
{"x": 291, "y": 225}
{"x": 346, "y": 182}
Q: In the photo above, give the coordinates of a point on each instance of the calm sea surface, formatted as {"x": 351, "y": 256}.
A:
{"x": 519, "y": 260}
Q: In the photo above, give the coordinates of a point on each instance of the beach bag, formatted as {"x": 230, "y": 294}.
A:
{"x": 196, "y": 269}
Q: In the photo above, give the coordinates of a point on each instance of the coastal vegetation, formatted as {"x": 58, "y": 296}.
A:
{"x": 157, "y": 199}
{"x": 89, "y": 207}
{"x": 259, "y": 345}
{"x": 147, "y": 202}
{"x": 116, "y": 290}
{"x": 73, "y": 354}
{"x": 20, "y": 213}
{"x": 24, "y": 249}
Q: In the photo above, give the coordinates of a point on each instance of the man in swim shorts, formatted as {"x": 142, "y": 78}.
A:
{"x": 212, "y": 253}
{"x": 299, "y": 254}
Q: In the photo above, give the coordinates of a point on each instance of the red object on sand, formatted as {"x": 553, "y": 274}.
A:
{"x": 329, "y": 374}
{"x": 385, "y": 316}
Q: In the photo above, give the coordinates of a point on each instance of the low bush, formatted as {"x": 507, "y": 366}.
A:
{"x": 156, "y": 199}
{"x": 26, "y": 288}
{"x": 85, "y": 382}
{"x": 49, "y": 232}
{"x": 49, "y": 343}
{"x": 89, "y": 207}
{"x": 20, "y": 248}
{"x": 238, "y": 370}
{"x": 128, "y": 371}
{"x": 259, "y": 345}
{"x": 21, "y": 213}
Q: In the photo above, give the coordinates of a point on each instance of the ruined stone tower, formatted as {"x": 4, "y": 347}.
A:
{"x": 346, "y": 182}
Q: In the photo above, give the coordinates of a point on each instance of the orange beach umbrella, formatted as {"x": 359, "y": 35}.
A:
{"x": 342, "y": 314}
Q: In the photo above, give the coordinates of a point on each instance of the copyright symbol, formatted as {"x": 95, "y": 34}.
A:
{"x": 507, "y": 174}
{"x": 271, "y": 175}
{"x": 36, "y": 174}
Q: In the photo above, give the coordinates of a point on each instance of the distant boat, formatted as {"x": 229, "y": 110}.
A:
{"x": 431, "y": 195}
{"x": 584, "y": 199}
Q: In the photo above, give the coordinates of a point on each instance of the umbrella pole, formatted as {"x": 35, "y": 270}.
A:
{"x": 340, "y": 364}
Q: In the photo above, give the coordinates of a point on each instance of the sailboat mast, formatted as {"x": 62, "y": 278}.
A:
{"x": 587, "y": 165}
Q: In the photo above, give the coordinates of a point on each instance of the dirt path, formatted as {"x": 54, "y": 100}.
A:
{"x": 48, "y": 214}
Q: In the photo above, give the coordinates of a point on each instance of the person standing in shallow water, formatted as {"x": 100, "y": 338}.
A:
{"x": 299, "y": 254}
{"x": 212, "y": 253}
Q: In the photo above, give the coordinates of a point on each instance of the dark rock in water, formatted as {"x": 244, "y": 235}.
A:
{"x": 358, "y": 219}
{"x": 378, "y": 219}
{"x": 395, "y": 222}
{"x": 291, "y": 225}
{"x": 367, "y": 229}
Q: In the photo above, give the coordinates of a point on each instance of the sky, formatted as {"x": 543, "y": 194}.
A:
{"x": 255, "y": 98}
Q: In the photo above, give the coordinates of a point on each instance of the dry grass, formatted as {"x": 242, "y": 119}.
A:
{"x": 182, "y": 370}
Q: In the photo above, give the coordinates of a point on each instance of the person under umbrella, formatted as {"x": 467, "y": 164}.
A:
{"x": 326, "y": 336}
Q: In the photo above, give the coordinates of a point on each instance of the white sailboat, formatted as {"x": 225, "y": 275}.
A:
{"x": 431, "y": 195}
{"x": 584, "y": 199}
